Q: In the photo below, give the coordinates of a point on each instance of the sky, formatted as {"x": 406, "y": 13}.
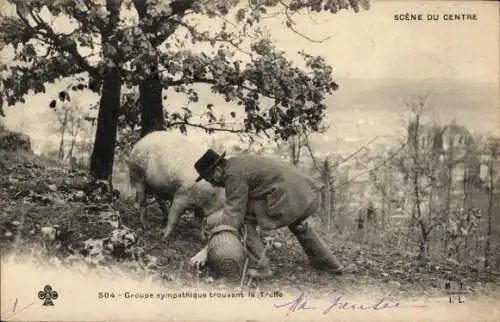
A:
{"x": 371, "y": 46}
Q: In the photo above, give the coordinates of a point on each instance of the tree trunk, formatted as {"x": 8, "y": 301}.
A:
{"x": 101, "y": 163}
{"x": 151, "y": 101}
{"x": 416, "y": 176}
{"x": 328, "y": 209}
{"x": 63, "y": 132}
{"x": 294, "y": 146}
{"x": 487, "y": 250}
{"x": 449, "y": 187}
{"x": 74, "y": 130}
{"x": 71, "y": 147}
{"x": 424, "y": 240}
{"x": 466, "y": 208}
{"x": 150, "y": 88}
{"x": 430, "y": 212}
{"x": 385, "y": 201}
{"x": 333, "y": 197}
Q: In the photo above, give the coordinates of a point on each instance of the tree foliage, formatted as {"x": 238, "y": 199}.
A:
{"x": 149, "y": 44}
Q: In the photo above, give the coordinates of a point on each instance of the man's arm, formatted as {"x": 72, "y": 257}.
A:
{"x": 235, "y": 206}
{"x": 233, "y": 214}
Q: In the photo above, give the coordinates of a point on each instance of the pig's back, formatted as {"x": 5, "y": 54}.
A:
{"x": 167, "y": 156}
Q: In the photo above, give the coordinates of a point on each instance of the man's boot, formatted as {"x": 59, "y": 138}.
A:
{"x": 315, "y": 248}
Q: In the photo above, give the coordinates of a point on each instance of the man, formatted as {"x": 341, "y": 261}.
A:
{"x": 269, "y": 194}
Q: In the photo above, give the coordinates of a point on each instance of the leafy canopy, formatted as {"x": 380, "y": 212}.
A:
{"x": 160, "y": 37}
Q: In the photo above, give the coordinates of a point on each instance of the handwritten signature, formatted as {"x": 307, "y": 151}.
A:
{"x": 301, "y": 303}
{"x": 16, "y": 310}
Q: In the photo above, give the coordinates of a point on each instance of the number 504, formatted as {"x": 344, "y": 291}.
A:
{"x": 106, "y": 295}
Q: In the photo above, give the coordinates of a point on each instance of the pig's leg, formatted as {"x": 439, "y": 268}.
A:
{"x": 141, "y": 200}
{"x": 177, "y": 207}
{"x": 164, "y": 201}
{"x": 165, "y": 210}
{"x": 199, "y": 212}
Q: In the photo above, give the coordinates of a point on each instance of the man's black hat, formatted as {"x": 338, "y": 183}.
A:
{"x": 207, "y": 163}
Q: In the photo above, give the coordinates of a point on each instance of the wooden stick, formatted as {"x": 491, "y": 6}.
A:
{"x": 244, "y": 273}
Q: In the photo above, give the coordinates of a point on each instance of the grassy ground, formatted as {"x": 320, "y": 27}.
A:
{"x": 37, "y": 193}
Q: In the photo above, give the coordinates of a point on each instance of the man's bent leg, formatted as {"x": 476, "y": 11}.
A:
{"x": 257, "y": 258}
{"x": 258, "y": 262}
{"x": 315, "y": 248}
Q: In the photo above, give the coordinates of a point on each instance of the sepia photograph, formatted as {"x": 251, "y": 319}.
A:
{"x": 259, "y": 160}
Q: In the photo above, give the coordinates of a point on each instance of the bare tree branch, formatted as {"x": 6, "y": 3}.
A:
{"x": 290, "y": 24}
{"x": 375, "y": 167}
{"x": 201, "y": 80}
{"x": 311, "y": 153}
{"x": 350, "y": 156}
{"x": 200, "y": 37}
{"x": 205, "y": 127}
{"x": 45, "y": 30}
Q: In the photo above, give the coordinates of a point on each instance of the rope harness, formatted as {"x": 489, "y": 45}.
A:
{"x": 240, "y": 234}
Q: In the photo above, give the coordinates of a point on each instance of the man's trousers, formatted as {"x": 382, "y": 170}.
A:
{"x": 313, "y": 245}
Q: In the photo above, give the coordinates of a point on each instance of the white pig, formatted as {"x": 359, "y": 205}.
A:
{"x": 162, "y": 164}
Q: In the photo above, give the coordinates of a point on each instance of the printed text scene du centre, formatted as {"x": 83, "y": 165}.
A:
{"x": 408, "y": 16}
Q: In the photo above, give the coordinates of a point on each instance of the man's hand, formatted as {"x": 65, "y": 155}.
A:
{"x": 200, "y": 259}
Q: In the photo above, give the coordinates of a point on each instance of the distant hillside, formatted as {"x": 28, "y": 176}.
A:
{"x": 390, "y": 94}
{"x": 362, "y": 109}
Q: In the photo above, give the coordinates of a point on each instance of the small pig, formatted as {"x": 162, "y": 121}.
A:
{"x": 162, "y": 164}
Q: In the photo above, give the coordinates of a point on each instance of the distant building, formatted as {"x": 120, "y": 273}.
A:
{"x": 472, "y": 154}
{"x": 440, "y": 139}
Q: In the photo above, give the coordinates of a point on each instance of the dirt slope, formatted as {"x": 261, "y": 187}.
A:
{"x": 46, "y": 208}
